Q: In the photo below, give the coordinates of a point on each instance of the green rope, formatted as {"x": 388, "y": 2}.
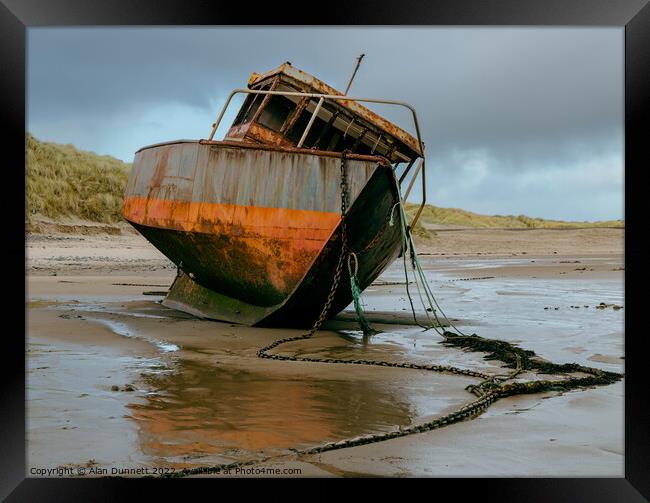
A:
{"x": 392, "y": 213}
{"x": 356, "y": 296}
{"x": 354, "y": 284}
{"x": 419, "y": 278}
{"x": 428, "y": 300}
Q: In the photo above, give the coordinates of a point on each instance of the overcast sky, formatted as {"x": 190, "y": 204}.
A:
{"x": 515, "y": 120}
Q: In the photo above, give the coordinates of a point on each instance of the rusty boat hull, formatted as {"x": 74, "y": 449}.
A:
{"x": 255, "y": 230}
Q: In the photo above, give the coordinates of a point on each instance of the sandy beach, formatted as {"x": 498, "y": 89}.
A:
{"x": 118, "y": 383}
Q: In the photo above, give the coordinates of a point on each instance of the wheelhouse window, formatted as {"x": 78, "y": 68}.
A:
{"x": 322, "y": 134}
{"x": 276, "y": 112}
{"x": 250, "y": 107}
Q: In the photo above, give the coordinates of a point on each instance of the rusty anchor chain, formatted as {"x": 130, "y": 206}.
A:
{"x": 263, "y": 352}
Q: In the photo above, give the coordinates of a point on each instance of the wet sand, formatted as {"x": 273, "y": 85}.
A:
{"x": 116, "y": 381}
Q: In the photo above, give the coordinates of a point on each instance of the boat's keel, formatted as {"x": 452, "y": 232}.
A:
{"x": 188, "y": 296}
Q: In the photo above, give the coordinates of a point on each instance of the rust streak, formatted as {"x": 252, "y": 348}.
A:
{"x": 306, "y": 228}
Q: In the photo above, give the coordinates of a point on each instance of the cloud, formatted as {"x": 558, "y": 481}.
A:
{"x": 122, "y": 134}
{"x": 512, "y": 118}
{"x": 585, "y": 184}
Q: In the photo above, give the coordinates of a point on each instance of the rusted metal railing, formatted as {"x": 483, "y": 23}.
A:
{"x": 335, "y": 97}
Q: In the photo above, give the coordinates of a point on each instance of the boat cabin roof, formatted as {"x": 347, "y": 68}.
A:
{"x": 340, "y": 124}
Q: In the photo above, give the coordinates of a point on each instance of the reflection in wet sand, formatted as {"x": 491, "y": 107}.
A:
{"x": 210, "y": 414}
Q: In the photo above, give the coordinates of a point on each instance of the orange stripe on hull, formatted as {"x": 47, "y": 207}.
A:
{"x": 282, "y": 242}
{"x": 237, "y": 220}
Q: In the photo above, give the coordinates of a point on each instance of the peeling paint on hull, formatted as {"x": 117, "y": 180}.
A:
{"x": 259, "y": 227}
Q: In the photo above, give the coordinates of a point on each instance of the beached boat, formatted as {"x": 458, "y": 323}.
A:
{"x": 253, "y": 222}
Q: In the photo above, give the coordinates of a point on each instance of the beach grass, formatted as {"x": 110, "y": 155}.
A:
{"x": 62, "y": 181}
{"x": 463, "y": 218}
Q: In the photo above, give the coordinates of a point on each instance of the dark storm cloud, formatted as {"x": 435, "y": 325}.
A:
{"x": 492, "y": 101}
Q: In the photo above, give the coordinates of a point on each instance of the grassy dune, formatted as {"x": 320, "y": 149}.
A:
{"x": 65, "y": 182}
{"x": 463, "y": 218}
{"x": 62, "y": 181}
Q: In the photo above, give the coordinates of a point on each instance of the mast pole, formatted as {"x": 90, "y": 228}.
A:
{"x": 354, "y": 73}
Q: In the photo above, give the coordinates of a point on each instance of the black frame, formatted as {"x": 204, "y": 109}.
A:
{"x": 634, "y": 15}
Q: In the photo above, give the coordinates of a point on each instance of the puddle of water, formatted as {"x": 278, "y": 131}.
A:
{"x": 40, "y": 303}
{"x": 208, "y": 414}
{"x": 124, "y": 330}
{"x": 98, "y": 305}
{"x": 512, "y": 309}
{"x": 412, "y": 344}
{"x": 73, "y": 414}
